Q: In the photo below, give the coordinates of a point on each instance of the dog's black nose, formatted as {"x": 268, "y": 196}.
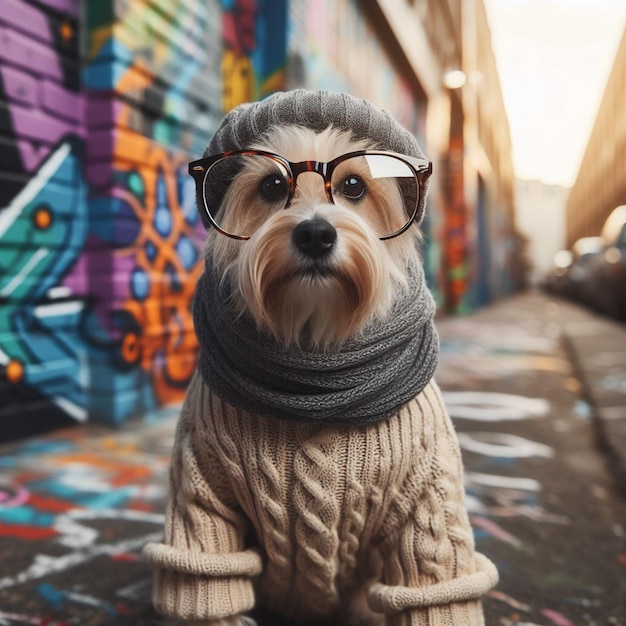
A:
{"x": 315, "y": 237}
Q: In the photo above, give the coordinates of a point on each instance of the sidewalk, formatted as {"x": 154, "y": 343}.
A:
{"x": 517, "y": 380}
{"x": 522, "y": 381}
{"x": 598, "y": 351}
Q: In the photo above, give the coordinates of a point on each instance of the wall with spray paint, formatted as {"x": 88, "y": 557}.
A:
{"x": 332, "y": 45}
{"x": 43, "y": 222}
{"x": 100, "y": 241}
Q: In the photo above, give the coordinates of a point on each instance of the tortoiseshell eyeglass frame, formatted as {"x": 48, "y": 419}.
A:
{"x": 198, "y": 170}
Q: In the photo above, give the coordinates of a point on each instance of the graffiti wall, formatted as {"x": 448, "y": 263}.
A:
{"x": 456, "y": 240}
{"x": 330, "y": 45}
{"x": 43, "y": 219}
{"x": 100, "y": 240}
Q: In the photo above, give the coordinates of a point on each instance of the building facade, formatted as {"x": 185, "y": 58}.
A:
{"x": 102, "y": 104}
{"x": 600, "y": 185}
{"x": 495, "y": 260}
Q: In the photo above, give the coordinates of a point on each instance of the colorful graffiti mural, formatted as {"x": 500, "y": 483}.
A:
{"x": 456, "y": 242}
{"x": 332, "y": 41}
{"x": 254, "y": 33}
{"x": 101, "y": 244}
{"x": 43, "y": 219}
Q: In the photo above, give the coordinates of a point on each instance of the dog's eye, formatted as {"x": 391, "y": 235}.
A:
{"x": 353, "y": 187}
{"x": 274, "y": 188}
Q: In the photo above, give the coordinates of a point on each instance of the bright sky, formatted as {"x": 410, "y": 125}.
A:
{"x": 554, "y": 58}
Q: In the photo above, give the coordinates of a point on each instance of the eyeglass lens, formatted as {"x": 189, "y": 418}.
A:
{"x": 242, "y": 191}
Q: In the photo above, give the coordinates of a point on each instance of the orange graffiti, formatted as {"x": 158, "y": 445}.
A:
{"x": 14, "y": 371}
{"x": 42, "y": 218}
{"x": 131, "y": 348}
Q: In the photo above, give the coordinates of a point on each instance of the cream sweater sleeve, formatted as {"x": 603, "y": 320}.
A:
{"x": 203, "y": 570}
{"x": 431, "y": 573}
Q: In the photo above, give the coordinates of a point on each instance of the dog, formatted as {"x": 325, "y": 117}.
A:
{"x": 287, "y": 285}
{"x": 329, "y": 520}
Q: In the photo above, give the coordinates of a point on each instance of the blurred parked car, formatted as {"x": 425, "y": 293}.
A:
{"x": 607, "y": 272}
{"x": 570, "y": 274}
{"x": 557, "y": 281}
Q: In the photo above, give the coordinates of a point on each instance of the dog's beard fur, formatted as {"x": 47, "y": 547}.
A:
{"x": 331, "y": 298}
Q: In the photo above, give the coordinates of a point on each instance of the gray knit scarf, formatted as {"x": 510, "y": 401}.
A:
{"x": 364, "y": 381}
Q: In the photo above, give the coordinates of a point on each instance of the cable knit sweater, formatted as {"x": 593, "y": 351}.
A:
{"x": 293, "y": 513}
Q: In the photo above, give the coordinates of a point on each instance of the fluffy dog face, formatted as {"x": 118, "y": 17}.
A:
{"x": 315, "y": 267}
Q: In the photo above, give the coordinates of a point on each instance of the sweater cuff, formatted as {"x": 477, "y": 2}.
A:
{"x": 163, "y": 556}
{"x": 468, "y": 613}
{"x": 390, "y": 599}
{"x": 195, "y": 585}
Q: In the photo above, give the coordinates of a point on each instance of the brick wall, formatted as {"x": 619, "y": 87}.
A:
{"x": 100, "y": 242}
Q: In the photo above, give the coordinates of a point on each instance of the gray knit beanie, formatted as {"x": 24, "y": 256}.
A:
{"x": 317, "y": 110}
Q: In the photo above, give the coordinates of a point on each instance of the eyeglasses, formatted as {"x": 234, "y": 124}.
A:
{"x": 240, "y": 190}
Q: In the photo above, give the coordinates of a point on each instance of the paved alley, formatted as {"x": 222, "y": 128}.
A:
{"x": 77, "y": 505}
